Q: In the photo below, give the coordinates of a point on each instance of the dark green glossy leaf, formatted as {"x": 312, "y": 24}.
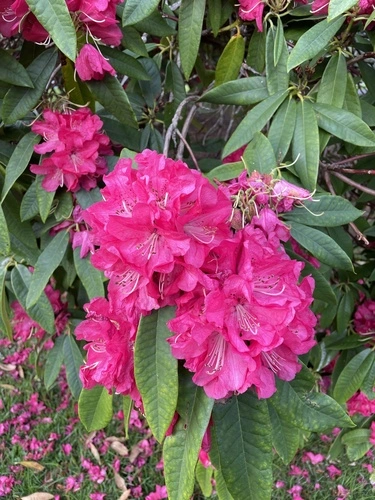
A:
{"x": 92, "y": 279}
{"x": 44, "y": 199}
{"x": 204, "y": 476}
{"x": 47, "y": 262}
{"x": 256, "y": 55}
{"x": 227, "y": 171}
{"x": 345, "y": 311}
{"x": 253, "y": 122}
{"x": 326, "y": 211}
{"x": 352, "y": 102}
{"x": 55, "y": 17}
{"x": 189, "y": 32}
{"x": 282, "y": 128}
{"x": 73, "y": 360}
{"x": 19, "y": 161}
{"x": 5, "y": 325}
{"x": 241, "y": 92}
{"x": 4, "y": 234}
{"x": 19, "y": 101}
{"x": 29, "y": 204}
{"x": 352, "y": 376}
{"x": 124, "y": 63}
{"x": 276, "y": 60}
{"x": 214, "y": 15}
{"x": 54, "y": 361}
{"x": 321, "y": 246}
{"x": 42, "y": 311}
{"x": 344, "y": 125}
{"x": 95, "y": 408}
{"x": 244, "y": 442}
{"x": 306, "y": 145}
{"x": 136, "y": 11}
{"x": 112, "y": 96}
{"x": 181, "y": 449}
{"x": 127, "y": 406}
{"x": 259, "y": 155}
{"x": 313, "y": 41}
{"x": 368, "y": 383}
{"x": 285, "y": 437}
{"x": 11, "y": 71}
{"x": 156, "y": 371}
{"x": 230, "y": 61}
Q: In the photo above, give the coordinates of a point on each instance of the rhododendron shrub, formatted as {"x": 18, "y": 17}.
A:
{"x": 186, "y": 223}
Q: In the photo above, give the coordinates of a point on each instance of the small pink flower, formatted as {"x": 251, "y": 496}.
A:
{"x": 342, "y": 492}
{"x": 97, "y": 496}
{"x": 91, "y": 65}
{"x": 67, "y": 449}
{"x": 333, "y": 471}
{"x": 158, "y": 494}
{"x": 279, "y": 484}
{"x": 6, "y": 485}
{"x": 311, "y": 457}
{"x": 252, "y": 10}
{"x": 364, "y": 318}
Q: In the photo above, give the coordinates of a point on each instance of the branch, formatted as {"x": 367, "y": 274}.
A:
{"x": 188, "y": 148}
{"x": 337, "y": 164}
{"x": 360, "y": 57}
{"x": 354, "y": 184}
{"x": 185, "y": 128}
{"x": 173, "y": 126}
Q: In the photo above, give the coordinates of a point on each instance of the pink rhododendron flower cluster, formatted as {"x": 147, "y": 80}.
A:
{"x": 96, "y": 18}
{"x": 25, "y": 327}
{"x": 77, "y": 148}
{"x": 364, "y": 318}
{"x": 320, "y": 7}
{"x": 360, "y": 403}
{"x": 164, "y": 238}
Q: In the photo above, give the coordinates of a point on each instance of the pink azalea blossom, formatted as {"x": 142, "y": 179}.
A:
{"x": 97, "y": 496}
{"x": 342, "y": 492}
{"x": 91, "y": 65}
{"x": 360, "y": 403}
{"x": 159, "y": 493}
{"x": 67, "y": 449}
{"x": 372, "y": 436}
{"x": 6, "y": 485}
{"x": 313, "y": 458}
{"x": 279, "y": 484}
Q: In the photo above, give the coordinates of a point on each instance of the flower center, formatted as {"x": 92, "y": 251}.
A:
{"x": 216, "y": 355}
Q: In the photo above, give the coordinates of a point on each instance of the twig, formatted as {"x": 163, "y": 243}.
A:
{"x": 353, "y": 183}
{"x": 356, "y": 171}
{"x": 184, "y": 131}
{"x": 188, "y": 148}
{"x": 336, "y": 164}
{"x": 360, "y": 236}
{"x": 360, "y": 57}
{"x": 173, "y": 126}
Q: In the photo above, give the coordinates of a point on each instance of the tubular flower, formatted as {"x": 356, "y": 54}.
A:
{"x": 91, "y": 65}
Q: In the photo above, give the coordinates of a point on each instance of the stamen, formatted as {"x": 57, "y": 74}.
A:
{"x": 150, "y": 245}
{"x": 267, "y": 284}
{"x": 320, "y": 8}
{"x": 252, "y": 8}
{"x": 246, "y": 320}
{"x": 273, "y": 360}
{"x": 216, "y": 355}
{"x": 129, "y": 281}
{"x": 204, "y": 234}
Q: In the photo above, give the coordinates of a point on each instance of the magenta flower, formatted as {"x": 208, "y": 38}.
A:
{"x": 77, "y": 147}
{"x": 91, "y": 65}
{"x": 252, "y": 10}
{"x": 364, "y": 318}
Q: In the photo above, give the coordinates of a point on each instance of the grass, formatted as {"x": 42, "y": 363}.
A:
{"x": 37, "y": 431}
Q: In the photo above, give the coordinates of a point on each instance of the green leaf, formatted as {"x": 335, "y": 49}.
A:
{"x": 29, "y": 204}
{"x": 306, "y": 145}
{"x": 42, "y": 311}
{"x": 256, "y": 54}
{"x": 5, "y": 325}
{"x": 64, "y": 206}
{"x": 285, "y": 437}
{"x": 112, "y": 96}
{"x": 344, "y": 125}
{"x": 230, "y": 61}
{"x": 203, "y": 476}
{"x": 221, "y": 486}
{"x": 124, "y": 63}
{"x": 55, "y": 17}
{"x": 88, "y": 198}
{"x": 352, "y": 102}
{"x": 127, "y": 405}
{"x": 276, "y": 60}
{"x": 345, "y": 311}
{"x": 44, "y": 199}
{"x": 282, "y": 128}
{"x": 357, "y": 443}
{"x": 92, "y": 279}
{"x": 242, "y": 92}
{"x": 73, "y": 360}
{"x": 54, "y": 361}
{"x": 333, "y": 83}
{"x": 19, "y": 101}
{"x": 19, "y": 161}
{"x": 338, "y": 7}
{"x": 323, "y": 247}
{"x": 132, "y": 40}
{"x": 4, "y": 234}
{"x": 156, "y": 371}
{"x": 259, "y": 155}
{"x": 326, "y": 211}
{"x": 95, "y": 408}
{"x": 312, "y": 411}
{"x": 243, "y": 436}
{"x": 214, "y": 15}
{"x": 227, "y": 171}
{"x": 181, "y": 449}
{"x": 323, "y": 289}
{"x": 11, "y": 71}
{"x": 189, "y": 32}
{"x": 313, "y": 41}
{"x": 368, "y": 383}
{"x": 156, "y": 25}
{"x": 352, "y": 376}
{"x": 135, "y": 11}
{"x": 47, "y": 262}
{"x": 253, "y": 122}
